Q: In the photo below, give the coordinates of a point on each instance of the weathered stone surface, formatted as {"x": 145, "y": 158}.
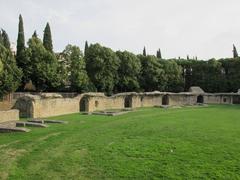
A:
{"x": 30, "y": 124}
{"x": 11, "y": 129}
{"x": 10, "y": 115}
{"x": 196, "y": 89}
{"x": 47, "y": 121}
{"x": 40, "y": 107}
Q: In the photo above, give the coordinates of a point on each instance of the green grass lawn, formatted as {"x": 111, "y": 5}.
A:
{"x": 150, "y": 143}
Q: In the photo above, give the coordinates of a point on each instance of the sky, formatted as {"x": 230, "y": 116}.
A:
{"x": 203, "y": 28}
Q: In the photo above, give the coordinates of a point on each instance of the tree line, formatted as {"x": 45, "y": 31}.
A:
{"x": 100, "y": 69}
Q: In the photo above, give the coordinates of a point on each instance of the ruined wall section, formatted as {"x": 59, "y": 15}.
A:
{"x": 10, "y": 115}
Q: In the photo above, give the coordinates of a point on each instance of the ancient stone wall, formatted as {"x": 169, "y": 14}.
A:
{"x": 52, "y": 104}
{"x": 33, "y": 106}
{"x": 218, "y": 98}
{"x": 10, "y": 115}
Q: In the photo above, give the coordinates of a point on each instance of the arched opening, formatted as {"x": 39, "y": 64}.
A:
{"x": 25, "y": 107}
{"x": 200, "y": 99}
{"x": 165, "y": 100}
{"x": 128, "y": 102}
{"x": 83, "y": 104}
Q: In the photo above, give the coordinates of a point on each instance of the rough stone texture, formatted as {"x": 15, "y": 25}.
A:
{"x": 196, "y": 89}
{"x": 10, "y": 115}
{"x": 39, "y": 106}
{"x": 6, "y": 102}
{"x": 30, "y": 124}
{"x": 15, "y": 129}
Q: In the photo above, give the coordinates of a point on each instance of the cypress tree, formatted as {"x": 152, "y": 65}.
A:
{"x": 188, "y": 57}
{"x": 144, "y": 51}
{"x": 86, "y": 47}
{"x": 47, "y": 38}
{"x": 235, "y": 53}
{"x": 20, "y": 41}
{"x": 6, "y": 42}
{"x": 159, "y": 54}
{"x": 35, "y": 34}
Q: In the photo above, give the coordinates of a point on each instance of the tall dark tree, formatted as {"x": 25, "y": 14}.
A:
{"x": 86, "y": 47}
{"x": 235, "y": 53}
{"x": 6, "y": 42}
{"x": 20, "y": 43}
{"x": 144, "y": 51}
{"x": 35, "y": 34}
{"x": 159, "y": 54}
{"x": 47, "y": 38}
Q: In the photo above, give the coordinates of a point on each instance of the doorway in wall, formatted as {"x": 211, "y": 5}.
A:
{"x": 200, "y": 99}
{"x": 128, "y": 102}
{"x": 165, "y": 100}
{"x": 83, "y": 104}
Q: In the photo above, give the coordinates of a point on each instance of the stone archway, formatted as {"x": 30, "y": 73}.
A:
{"x": 83, "y": 104}
{"x": 200, "y": 99}
{"x": 25, "y": 107}
{"x": 128, "y": 102}
{"x": 165, "y": 100}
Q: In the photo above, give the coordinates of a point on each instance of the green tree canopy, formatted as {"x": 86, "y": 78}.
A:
{"x": 43, "y": 66}
{"x": 5, "y": 39}
{"x": 152, "y": 74}
{"x": 10, "y": 74}
{"x": 102, "y": 67}
{"x": 76, "y": 68}
{"x": 129, "y": 71}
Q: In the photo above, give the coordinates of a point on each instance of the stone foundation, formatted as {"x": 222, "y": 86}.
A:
{"x": 10, "y": 115}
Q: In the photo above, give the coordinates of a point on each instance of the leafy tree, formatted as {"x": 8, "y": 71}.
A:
{"x": 102, "y": 67}
{"x": 144, "y": 51}
{"x": 152, "y": 74}
{"x": 231, "y": 73}
{"x": 10, "y": 74}
{"x": 129, "y": 71}
{"x": 43, "y": 66}
{"x": 235, "y": 53}
{"x": 76, "y": 68}
{"x": 173, "y": 76}
{"x": 47, "y": 38}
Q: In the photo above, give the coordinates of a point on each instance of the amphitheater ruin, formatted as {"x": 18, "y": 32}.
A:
{"x": 54, "y": 104}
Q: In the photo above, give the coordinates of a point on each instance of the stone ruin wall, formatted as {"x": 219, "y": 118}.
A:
{"x": 10, "y": 115}
{"x": 53, "y": 105}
